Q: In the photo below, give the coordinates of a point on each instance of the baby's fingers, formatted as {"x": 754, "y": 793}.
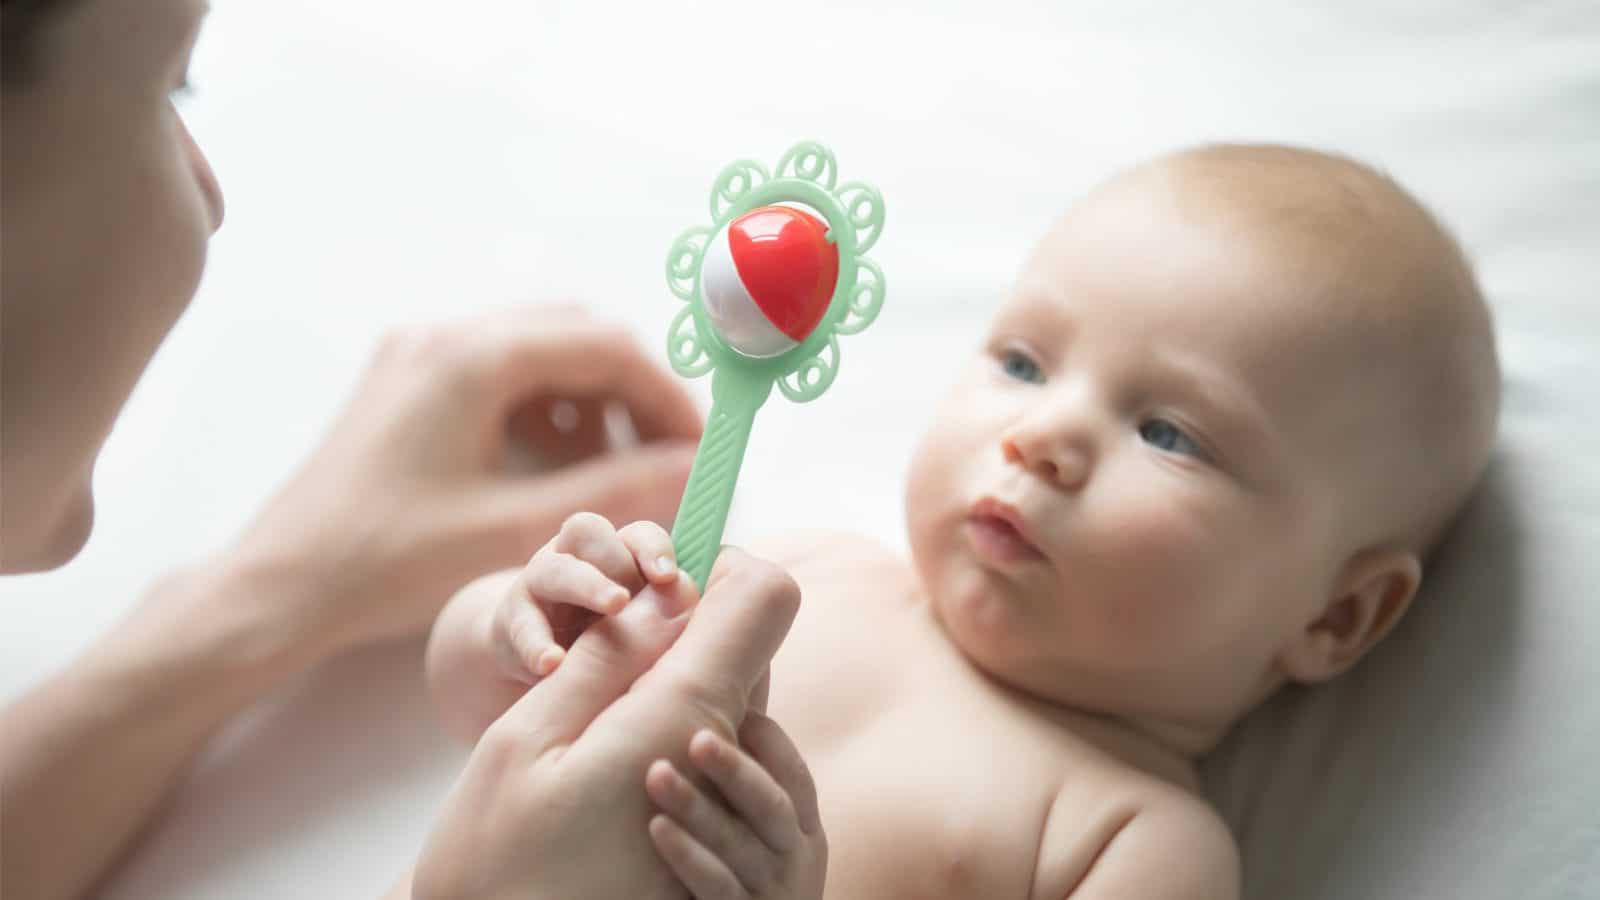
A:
{"x": 652, "y": 551}
{"x": 592, "y": 539}
{"x": 702, "y": 874}
{"x": 549, "y": 604}
{"x": 752, "y": 792}
{"x": 712, "y": 828}
{"x": 770, "y": 746}
{"x": 554, "y": 578}
{"x": 524, "y": 647}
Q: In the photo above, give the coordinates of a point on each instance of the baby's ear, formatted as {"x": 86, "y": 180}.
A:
{"x": 1369, "y": 597}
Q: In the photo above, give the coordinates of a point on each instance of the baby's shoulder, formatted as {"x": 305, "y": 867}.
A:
{"x": 803, "y": 549}
{"x": 1151, "y": 831}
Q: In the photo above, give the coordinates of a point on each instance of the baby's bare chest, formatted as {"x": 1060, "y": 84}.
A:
{"x": 932, "y": 782}
{"x": 917, "y": 811}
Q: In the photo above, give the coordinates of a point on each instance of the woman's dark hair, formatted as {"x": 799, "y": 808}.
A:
{"x": 21, "y": 25}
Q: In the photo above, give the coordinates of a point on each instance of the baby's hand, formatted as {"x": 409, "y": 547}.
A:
{"x": 762, "y": 838}
{"x": 507, "y": 630}
{"x": 588, "y": 570}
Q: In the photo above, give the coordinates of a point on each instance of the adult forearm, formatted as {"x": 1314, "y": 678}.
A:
{"x": 89, "y": 756}
{"x": 401, "y": 889}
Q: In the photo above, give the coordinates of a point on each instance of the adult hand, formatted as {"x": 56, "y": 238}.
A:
{"x": 552, "y": 801}
{"x": 414, "y": 491}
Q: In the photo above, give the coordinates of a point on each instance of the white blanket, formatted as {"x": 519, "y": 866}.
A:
{"x": 386, "y": 162}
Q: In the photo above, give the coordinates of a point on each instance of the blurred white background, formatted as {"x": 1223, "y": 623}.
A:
{"x": 388, "y": 162}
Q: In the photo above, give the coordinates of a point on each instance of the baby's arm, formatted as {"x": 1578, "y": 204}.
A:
{"x": 467, "y": 688}
{"x": 1172, "y": 850}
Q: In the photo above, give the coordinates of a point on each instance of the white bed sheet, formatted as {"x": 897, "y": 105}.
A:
{"x": 387, "y": 162}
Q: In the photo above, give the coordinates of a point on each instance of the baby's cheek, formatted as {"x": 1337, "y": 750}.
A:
{"x": 1164, "y": 563}
{"x": 942, "y": 464}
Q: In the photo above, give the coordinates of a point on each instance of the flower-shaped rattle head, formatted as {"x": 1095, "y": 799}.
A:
{"x": 767, "y": 290}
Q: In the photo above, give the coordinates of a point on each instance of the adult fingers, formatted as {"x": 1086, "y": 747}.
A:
{"x": 559, "y": 431}
{"x": 758, "y": 694}
{"x": 641, "y": 483}
{"x": 536, "y": 351}
{"x": 644, "y": 483}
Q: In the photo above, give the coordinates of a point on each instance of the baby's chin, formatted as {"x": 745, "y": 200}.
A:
{"x": 983, "y": 615}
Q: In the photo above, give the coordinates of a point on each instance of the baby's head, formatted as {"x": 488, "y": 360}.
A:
{"x": 1236, "y": 396}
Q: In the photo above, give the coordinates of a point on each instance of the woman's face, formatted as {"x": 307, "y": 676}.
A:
{"x": 107, "y": 208}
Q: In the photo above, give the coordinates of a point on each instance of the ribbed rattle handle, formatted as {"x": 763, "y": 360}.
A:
{"x": 703, "y": 514}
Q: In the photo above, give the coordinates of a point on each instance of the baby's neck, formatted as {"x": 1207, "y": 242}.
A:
{"x": 1167, "y": 748}
{"x": 1181, "y": 741}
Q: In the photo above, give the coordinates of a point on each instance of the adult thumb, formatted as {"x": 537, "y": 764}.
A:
{"x": 736, "y": 628}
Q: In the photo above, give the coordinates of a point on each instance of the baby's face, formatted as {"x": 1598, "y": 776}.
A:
{"x": 1123, "y": 504}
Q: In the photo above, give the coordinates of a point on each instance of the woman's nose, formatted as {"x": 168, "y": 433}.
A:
{"x": 204, "y": 176}
{"x": 1060, "y": 456}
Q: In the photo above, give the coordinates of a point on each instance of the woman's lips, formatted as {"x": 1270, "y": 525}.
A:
{"x": 996, "y": 532}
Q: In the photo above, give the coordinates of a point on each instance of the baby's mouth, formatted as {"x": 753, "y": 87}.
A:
{"x": 995, "y": 530}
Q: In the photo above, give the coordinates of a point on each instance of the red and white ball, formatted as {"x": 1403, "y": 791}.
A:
{"x": 767, "y": 279}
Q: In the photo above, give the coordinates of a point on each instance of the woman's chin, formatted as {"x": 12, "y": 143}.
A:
{"x": 39, "y": 543}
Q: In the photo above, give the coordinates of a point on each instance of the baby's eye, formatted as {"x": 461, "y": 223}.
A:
{"x": 1019, "y": 366}
{"x": 1164, "y": 435}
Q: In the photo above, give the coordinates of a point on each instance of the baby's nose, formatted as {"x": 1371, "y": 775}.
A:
{"x": 1057, "y": 459}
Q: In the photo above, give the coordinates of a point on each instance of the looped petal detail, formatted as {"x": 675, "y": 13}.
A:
{"x": 810, "y": 161}
{"x": 736, "y": 181}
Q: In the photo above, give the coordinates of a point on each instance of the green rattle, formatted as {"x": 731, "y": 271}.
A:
{"x": 768, "y": 288}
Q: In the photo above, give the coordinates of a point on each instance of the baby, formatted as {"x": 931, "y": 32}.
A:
{"x": 1235, "y": 397}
